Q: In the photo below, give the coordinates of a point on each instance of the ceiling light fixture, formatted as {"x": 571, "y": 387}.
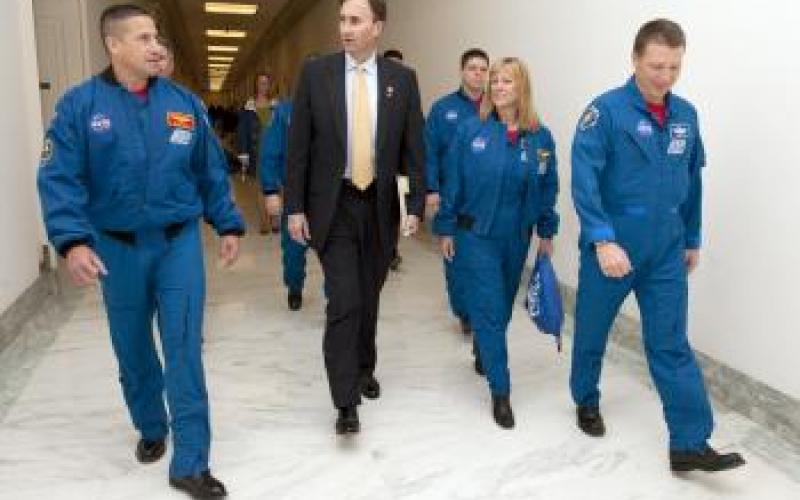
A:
{"x": 223, "y": 48}
{"x": 226, "y": 33}
{"x": 244, "y": 9}
{"x": 221, "y": 58}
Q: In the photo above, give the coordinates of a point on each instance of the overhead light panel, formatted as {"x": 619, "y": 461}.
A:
{"x": 221, "y": 58}
{"x": 223, "y": 48}
{"x": 242, "y": 9}
{"x": 219, "y": 65}
{"x": 226, "y": 33}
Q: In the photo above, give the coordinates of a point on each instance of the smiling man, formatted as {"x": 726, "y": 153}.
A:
{"x": 637, "y": 160}
{"x": 130, "y": 164}
{"x": 356, "y": 121}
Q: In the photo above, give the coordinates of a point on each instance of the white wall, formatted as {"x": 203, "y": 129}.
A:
{"x": 743, "y": 74}
{"x": 20, "y": 142}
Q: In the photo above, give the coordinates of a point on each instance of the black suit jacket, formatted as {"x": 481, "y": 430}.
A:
{"x": 318, "y": 146}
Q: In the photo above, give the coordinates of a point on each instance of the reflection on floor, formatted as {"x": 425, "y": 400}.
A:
{"x": 65, "y": 432}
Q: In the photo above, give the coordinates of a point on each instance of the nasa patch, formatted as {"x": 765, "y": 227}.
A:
{"x": 100, "y": 123}
{"x": 478, "y": 145}
{"x": 644, "y": 128}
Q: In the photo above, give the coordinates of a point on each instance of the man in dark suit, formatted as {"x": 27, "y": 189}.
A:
{"x": 356, "y": 120}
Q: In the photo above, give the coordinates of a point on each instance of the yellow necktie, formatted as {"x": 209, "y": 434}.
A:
{"x": 362, "y": 172}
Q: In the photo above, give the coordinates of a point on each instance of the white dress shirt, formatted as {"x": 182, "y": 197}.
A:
{"x": 371, "y": 75}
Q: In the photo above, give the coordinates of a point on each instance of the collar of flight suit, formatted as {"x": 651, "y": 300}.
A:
{"x": 109, "y": 77}
{"x": 639, "y": 102}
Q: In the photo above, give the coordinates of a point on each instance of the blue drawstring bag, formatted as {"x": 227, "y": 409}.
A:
{"x": 543, "y": 300}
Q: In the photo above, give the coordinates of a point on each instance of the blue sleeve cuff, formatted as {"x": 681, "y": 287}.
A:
{"x": 602, "y": 233}
{"x": 444, "y": 226}
{"x": 693, "y": 242}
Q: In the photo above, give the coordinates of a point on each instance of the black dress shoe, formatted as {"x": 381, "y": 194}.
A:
{"x": 590, "y": 421}
{"x": 347, "y": 423}
{"x": 707, "y": 460}
{"x": 370, "y": 388}
{"x": 202, "y": 486}
{"x": 148, "y": 452}
{"x": 295, "y": 301}
{"x": 501, "y": 409}
{"x": 395, "y": 264}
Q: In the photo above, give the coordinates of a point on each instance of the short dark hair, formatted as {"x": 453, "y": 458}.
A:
{"x": 120, "y": 12}
{"x": 473, "y": 53}
{"x": 660, "y": 31}
{"x": 378, "y": 8}
{"x": 393, "y": 54}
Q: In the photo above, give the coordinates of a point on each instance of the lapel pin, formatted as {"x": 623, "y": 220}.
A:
{"x": 389, "y": 92}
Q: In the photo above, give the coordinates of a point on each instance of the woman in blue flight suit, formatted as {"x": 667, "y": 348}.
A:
{"x": 500, "y": 181}
{"x": 274, "y": 145}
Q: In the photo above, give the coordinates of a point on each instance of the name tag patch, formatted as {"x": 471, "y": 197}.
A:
{"x": 678, "y": 135}
{"x": 180, "y": 120}
{"x": 181, "y": 137}
{"x": 451, "y": 115}
{"x": 544, "y": 156}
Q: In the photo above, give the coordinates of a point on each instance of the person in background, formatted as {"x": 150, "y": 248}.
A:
{"x": 500, "y": 184}
{"x": 129, "y": 166}
{"x": 637, "y": 162}
{"x": 253, "y": 118}
{"x": 167, "y": 61}
{"x": 274, "y": 147}
{"x": 440, "y": 126}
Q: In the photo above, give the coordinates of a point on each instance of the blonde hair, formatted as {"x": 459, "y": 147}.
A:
{"x": 527, "y": 119}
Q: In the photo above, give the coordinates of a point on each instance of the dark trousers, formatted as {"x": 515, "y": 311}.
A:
{"x": 355, "y": 269}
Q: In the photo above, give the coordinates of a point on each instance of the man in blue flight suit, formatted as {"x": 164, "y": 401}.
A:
{"x": 440, "y": 127}
{"x": 129, "y": 165}
{"x": 274, "y": 145}
{"x": 637, "y": 161}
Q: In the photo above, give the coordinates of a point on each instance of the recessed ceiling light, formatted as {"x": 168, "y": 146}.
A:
{"x": 221, "y": 58}
{"x": 219, "y": 65}
{"x": 245, "y": 9}
{"x": 226, "y": 33}
{"x": 223, "y": 48}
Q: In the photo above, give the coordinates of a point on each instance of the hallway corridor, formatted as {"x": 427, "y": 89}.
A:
{"x": 65, "y": 434}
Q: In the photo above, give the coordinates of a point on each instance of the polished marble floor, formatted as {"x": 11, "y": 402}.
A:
{"x": 64, "y": 432}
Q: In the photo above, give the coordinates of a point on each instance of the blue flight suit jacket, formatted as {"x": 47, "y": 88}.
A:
{"x": 113, "y": 161}
{"x": 625, "y": 163}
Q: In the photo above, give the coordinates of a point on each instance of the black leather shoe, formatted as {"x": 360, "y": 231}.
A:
{"x": 370, "y": 388}
{"x": 707, "y": 460}
{"x": 395, "y": 264}
{"x": 148, "y": 452}
{"x": 202, "y": 486}
{"x": 501, "y": 409}
{"x": 295, "y": 301}
{"x": 466, "y": 328}
{"x": 590, "y": 421}
{"x": 347, "y": 423}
